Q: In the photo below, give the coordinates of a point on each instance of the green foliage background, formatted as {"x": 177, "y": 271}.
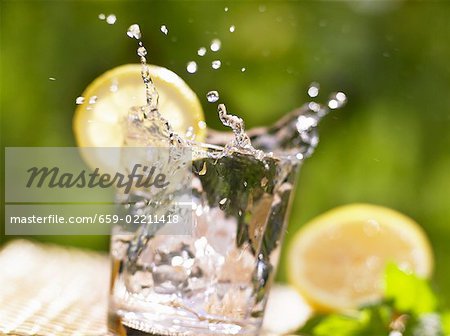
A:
{"x": 389, "y": 146}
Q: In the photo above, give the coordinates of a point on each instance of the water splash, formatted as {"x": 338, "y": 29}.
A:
{"x": 134, "y": 31}
{"x": 201, "y": 51}
{"x": 191, "y": 67}
{"x": 79, "y": 100}
{"x": 212, "y": 96}
{"x": 243, "y": 69}
{"x": 216, "y": 44}
{"x": 111, "y": 19}
{"x": 313, "y": 90}
{"x": 164, "y": 29}
{"x": 216, "y": 64}
{"x": 232, "y": 29}
{"x": 241, "y": 139}
{"x": 101, "y": 16}
{"x": 337, "y": 100}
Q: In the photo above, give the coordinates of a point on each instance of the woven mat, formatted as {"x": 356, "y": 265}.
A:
{"x": 49, "y": 290}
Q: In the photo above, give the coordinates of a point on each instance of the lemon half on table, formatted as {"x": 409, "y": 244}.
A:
{"x": 337, "y": 260}
{"x": 98, "y": 122}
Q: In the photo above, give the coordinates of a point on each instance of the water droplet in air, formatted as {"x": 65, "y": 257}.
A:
{"x": 216, "y": 64}
{"x": 164, "y": 29}
{"x": 191, "y": 67}
{"x": 202, "y": 124}
{"x": 79, "y": 100}
{"x": 134, "y": 31}
{"x": 313, "y": 90}
{"x": 142, "y": 51}
{"x": 243, "y": 69}
{"x": 223, "y": 201}
{"x": 341, "y": 97}
{"x": 215, "y": 45}
{"x": 226, "y": 9}
{"x": 52, "y": 78}
{"x": 305, "y": 123}
{"x": 232, "y": 29}
{"x": 314, "y": 107}
{"x": 101, "y": 16}
{"x": 212, "y": 96}
{"x": 337, "y": 100}
{"x": 114, "y": 86}
{"x": 111, "y": 19}
{"x": 201, "y": 51}
{"x": 93, "y": 100}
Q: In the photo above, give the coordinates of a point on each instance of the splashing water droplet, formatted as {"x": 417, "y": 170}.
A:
{"x": 111, "y": 19}
{"x": 142, "y": 52}
{"x": 305, "y": 123}
{"x": 114, "y": 86}
{"x": 202, "y": 124}
{"x": 79, "y": 100}
{"x": 314, "y": 106}
{"x": 223, "y": 201}
{"x": 243, "y": 69}
{"x": 215, "y": 45}
{"x": 226, "y": 9}
{"x": 232, "y": 29}
{"x": 134, "y": 31}
{"x": 164, "y": 29}
{"x": 101, "y": 16}
{"x": 212, "y": 96}
{"x": 93, "y": 100}
{"x": 201, "y": 51}
{"x": 216, "y": 64}
{"x": 313, "y": 90}
{"x": 52, "y": 78}
{"x": 337, "y": 100}
{"x": 191, "y": 67}
{"x": 341, "y": 97}
{"x": 241, "y": 139}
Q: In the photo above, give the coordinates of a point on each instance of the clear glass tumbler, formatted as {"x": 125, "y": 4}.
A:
{"x": 213, "y": 276}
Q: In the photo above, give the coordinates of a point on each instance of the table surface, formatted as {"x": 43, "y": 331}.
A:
{"x": 49, "y": 290}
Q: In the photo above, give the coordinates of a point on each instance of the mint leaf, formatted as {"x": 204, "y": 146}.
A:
{"x": 373, "y": 320}
{"x": 445, "y": 321}
{"x": 408, "y": 292}
{"x": 340, "y": 325}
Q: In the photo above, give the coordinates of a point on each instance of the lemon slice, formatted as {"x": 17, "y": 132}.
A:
{"x": 116, "y": 91}
{"x": 338, "y": 259}
{"x": 98, "y": 122}
{"x": 286, "y": 311}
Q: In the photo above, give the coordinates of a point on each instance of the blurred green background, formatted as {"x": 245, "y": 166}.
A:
{"x": 390, "y": 145}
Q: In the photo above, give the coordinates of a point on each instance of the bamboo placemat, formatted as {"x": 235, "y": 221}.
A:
{"x": 49, "y": 290}
{"x": 52, "y": 291}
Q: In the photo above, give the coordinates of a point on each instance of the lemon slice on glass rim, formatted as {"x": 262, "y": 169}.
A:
{"x": 337, "y": 260}
{"x": 99, "y": 120}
